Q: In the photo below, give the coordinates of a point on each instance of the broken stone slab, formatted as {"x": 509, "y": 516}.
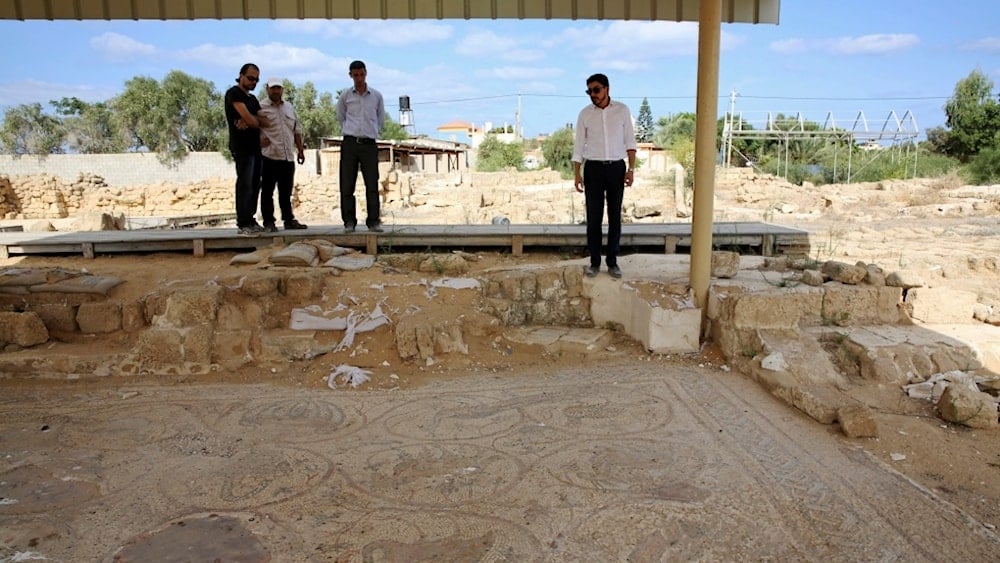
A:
{"x": 725, "y": 264}
{"x": 905, "y": 279}
{"x": 857, "y": 421}
{"x": 968, "y": 408}
{"x": 940, "y": 305}
{"x": 351, "y": 263}
{"x": 844, "y": 273}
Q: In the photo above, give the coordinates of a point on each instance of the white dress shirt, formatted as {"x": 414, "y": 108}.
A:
{"x": 361, "y": 115}
{"x": 284, "y": 125}
{"x": 604, "y": 134}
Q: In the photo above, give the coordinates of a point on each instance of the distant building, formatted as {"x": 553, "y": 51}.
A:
{"x": 475, "y": 135}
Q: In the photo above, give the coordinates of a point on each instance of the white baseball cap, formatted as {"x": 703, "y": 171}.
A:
{"x": 272, "y": 82}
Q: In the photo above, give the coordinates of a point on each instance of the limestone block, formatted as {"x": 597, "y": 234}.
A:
{"x": 573, "y": 278}
{"x": 58, "y": 317}
{"x": 448, "y": 339}
{"x": 260, "y": 284}
{"x": 192, "y": 307}
{"x": 303, "y": 286}
{"x": 857, "y": 421}
{"x": 968, "y": 408}
{"x": 517, "y": 286}
{"x": 197, "y": 344}
{"x": 99, "y": 318}
{"x": 292, "y": 345}
{"x": 446, "y": 264}
{"x": 939, "y": 305}
{"x": 133, "y": 316}
{"x": 22, "y": 329}
{"x": 776, "y": 310}
{"x": 725, "y": 264}
{"x": 550, "y": 285}
{"x": 875, "y": 276}
{"x": 843, "y": 272}
{"x": 231, "y": 348}
{"x": 158, "y": 348}
{"x": 406, "y": 340}
{"x": 852, "y": 305}
{"x": 240, "y": 316}
{"x": 812, "y": 277}
{"x": 665, "y": 330}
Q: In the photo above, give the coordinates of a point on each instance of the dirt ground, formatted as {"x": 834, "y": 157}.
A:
{"x": 949, "y": 236}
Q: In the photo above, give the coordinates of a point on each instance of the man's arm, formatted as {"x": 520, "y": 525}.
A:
{"x": 380, "y": 115}
{"x": 579, "y": 138}
{"x": 342, "y": 110}
{"x": 248, "y": 118}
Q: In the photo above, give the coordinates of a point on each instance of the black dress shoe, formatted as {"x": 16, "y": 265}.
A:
{"x": 376, "y": 228}
{"x": 293, "y": 224}
{"x": 348, "y": 228}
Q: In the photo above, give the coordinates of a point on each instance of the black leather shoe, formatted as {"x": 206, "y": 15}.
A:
{"x": 376, "y": 228}
{"x": 293, "y": 224}
{"x": 348, "y": 228}
{"x": 270, "y": 228}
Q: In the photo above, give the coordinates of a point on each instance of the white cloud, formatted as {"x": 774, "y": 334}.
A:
{"x": 633, "y": 45}
{"x": 987, "y": 44}
{"x": 32, "y": 91}
{"x": 281, "y": 59}
{"x": 789, "y": 46}
{"x": 518, "y": 73}
{"x": 375, "y": 32}
{"x": 120, "y": 48}
{"x": 487, "y": 44}
{"x": 875, "y": 44}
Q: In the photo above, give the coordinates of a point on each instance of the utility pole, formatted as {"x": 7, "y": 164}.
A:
{"x": 729, "y": 128}
{"x": 518, "y": 132}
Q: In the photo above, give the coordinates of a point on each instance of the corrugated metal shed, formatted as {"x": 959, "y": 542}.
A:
{"x": 733, "y": 11}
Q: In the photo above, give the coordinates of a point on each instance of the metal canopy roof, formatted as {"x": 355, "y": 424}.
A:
{"x": 733, "y": 11}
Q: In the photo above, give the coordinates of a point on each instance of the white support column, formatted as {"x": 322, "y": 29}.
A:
{"x": 707, "y": 110}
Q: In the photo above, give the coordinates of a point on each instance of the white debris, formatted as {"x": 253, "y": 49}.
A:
{"x": 28, "y": 556}
{"x": 349, "y": 375}
{"x": 935, "y": 385}
{"x": 314, "y": 318}
{"x": 774, "y": 361}
{"x": 7, "y": 501}
{"x": 897, "y": 457}
{"x": 456, "y": 283}
{"x": 361, "y": 323}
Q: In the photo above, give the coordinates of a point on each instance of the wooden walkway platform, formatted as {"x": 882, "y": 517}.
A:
{"x": 757, "y": 238}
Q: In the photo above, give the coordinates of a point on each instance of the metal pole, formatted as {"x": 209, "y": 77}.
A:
{"x": 707, "y": 111}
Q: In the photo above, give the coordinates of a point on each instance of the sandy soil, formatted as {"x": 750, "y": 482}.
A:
{"x": 899, "y": 227}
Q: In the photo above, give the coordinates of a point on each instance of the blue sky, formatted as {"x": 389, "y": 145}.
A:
{"x": 845, "y": 57}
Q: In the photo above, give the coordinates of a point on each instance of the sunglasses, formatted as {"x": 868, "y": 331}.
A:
{"x": 252, "y": 78}
{"x": 594, "y": 91}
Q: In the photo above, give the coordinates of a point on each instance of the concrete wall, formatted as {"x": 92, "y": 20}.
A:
{"x": 134, "y": 169}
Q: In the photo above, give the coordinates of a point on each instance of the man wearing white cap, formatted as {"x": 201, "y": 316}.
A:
{"x": 279, "y": 140}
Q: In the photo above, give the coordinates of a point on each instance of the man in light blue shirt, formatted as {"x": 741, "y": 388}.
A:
{"x": 361, "y": 112}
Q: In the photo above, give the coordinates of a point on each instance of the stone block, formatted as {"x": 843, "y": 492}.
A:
{"x": 843, "y": 272}
{"x": 812, "y": 277}
{"x": 550, "y": 285}
{"x": 968, "y": 408}
{"x": 857, "y": 421}
{"x": 303, "y": 286}
{"x": 231, "y": 348}
{"x": 133, "y": 316}
{"x": 22, "y": 329}
{"x": 157, "y": 348}
{"x": 292, "y": 345}
{"x": 448, "y": 339}
{"x": 725, "y": 264}
{"x": 517, "y": 286}
{"x": 197, "y": 344}
{"x": 57, "y": 317}
{"x": 260, "y": 284}
{"x": 99, "y": 318}
{"x": 940, "y": 305}
{"x": 666, "y": 331}
{"x": 192, "y": 307}
{"x": 240, "y": 316}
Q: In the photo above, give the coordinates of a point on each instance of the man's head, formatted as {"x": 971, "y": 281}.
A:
{"x": 275, "y": 88}
{"x": 249, "y": 75}
{"x": 598, "y": 89}
{"x": 358, "y": 73}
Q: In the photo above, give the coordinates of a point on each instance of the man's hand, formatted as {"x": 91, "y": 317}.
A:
{"x": 629, "y": 176}
{"x": 578, "y": 182}
{"x": 302, "y": 157}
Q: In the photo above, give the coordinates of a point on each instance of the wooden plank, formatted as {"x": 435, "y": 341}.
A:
{"x": 88, "y": 250}
{"x": 371, "y": 245}
{"x": 767, "y": 245}
{"x": 3, "y": 252}
{"x": 199, "y": 248}
{"x": 517, "y": 245}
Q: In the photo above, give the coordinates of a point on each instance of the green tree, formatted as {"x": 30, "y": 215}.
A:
{"x": 558, "y": 151}
{"x": 984, "y": 168}
{"x": 317, "y": 112}
{"x": 173, "y": 117}
{"x": 644, "y": 123}
{"x": 90, "y": 128}
{"x": 494, "y": 155}
{"x": 27, "y": 130}
{"x": 674, "y": 128}
{"x": 393, "y": 130}
{"x": 973, "y": 116}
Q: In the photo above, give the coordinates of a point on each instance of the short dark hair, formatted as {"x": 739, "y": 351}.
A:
{"x": 246, "y": 67}
{"x": 355, "y": 65}
{"x": 599, "y": 78}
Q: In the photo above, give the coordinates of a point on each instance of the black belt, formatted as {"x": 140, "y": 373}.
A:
{"x": 360, "y": 140}
{"x": 605, "y": 162}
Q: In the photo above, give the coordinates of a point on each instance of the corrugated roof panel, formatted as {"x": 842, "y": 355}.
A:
{"x": 744, "y": 11}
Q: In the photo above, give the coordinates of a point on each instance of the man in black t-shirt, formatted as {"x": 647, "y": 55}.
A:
{"x": 244, "y": 144}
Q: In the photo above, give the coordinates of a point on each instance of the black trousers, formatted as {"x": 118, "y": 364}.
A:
{"x": 248, "y": 166}
{"x": 604, "y": 181}
{"x": 282, "y": 173}
{"x": 357, "y": 153}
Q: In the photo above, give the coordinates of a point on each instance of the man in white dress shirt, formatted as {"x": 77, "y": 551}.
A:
{"x": 604, "y": 140}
